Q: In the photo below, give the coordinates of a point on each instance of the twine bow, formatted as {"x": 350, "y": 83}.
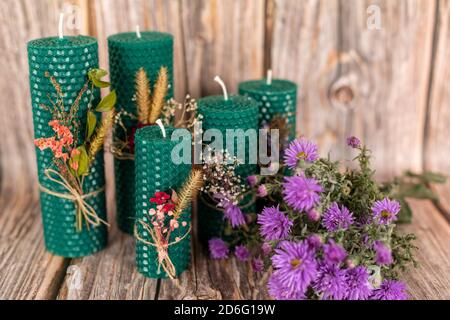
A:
{"x": 162, "y": 248}
{"x": 83, "y": 209}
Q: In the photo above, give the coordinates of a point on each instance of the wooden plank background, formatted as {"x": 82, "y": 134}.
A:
{"x": 389, "y": 86}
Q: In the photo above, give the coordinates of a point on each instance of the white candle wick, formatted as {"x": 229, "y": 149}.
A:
{"x": 224, "y": 88}
{"x": 161, "y": 126}
{"x": 269, "y": 77}
{"x": 138, "y": 33}
{"x": 60, "y": 25}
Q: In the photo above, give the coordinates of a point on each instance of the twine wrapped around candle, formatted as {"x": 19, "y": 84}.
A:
{"x": 164, "y": 259}
{"x": 84, "y": 209}
{"x": 68, "y": 60}
{"x": 128, "y": 52}
{"x": 156, "y": 172}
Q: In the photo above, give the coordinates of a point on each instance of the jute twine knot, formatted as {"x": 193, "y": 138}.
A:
{"x": 162, "y": 248}
{"x": 83, "y": 208}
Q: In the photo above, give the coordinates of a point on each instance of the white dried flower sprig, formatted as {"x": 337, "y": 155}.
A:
{"x": 180, "y": 115}
{"x": 219, "y": 174}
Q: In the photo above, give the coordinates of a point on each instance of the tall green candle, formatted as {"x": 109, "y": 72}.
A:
{"x": 275, "y": 97}
{"x": 222, "y": 113}
{"x": 156, "y": 172}
{"x": 68, "y": 59}
{"x": 127, "y": 53}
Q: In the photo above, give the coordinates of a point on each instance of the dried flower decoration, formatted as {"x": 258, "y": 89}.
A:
{"x": 161, "y": 221}
{"x": 222, "y": 184}
{"x": 72, "y": 159}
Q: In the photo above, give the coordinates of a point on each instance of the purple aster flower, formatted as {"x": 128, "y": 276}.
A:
{"x": 386, "y": 210}
{"x": 353, "y": 142}
{"x": 295, "y": 265}
{"x": 314, "y": 242}
{"x": 218, "y": 248}
{"x": 300, "y": 149}
{"x": 241, "y": 253}
{"x": 313, "y": 215}
{"x": 262, "y": 191}
{"x": 334, "y": 253}
{"x": 384, "y": 254}
{"x": 252, "y": 181}
{"x": 301, "y": 193}
{"x": 280, "y": 292}
{"x": 331, "y": 282}
{"x": 266, "y": 248}
{"x": 258, "y": 264}
{"x": 390, "y": 290}
{"x": 337, "y": 218}
{"x": 358, "y": 286}
{"x": 234, "y": 214}
{"x": 275, "y": 225}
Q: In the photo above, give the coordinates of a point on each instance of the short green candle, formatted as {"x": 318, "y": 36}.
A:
{"x": 238, "y": 112}
{"x": 68, "y": 59}
{"x": 128, "y": 53}
{"x": 275, "y": 98}
{"x": 155, "y": 171}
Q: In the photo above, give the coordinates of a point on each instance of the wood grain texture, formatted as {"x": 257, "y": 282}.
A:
{"x": 354, "y": 80}
{"x": 224, "y": 38}
{"x": 112, "y": 16}
{"x": 108, "y": 275}
{"x": 444, "y": 199}
{"x": 37, "y": 274}
{"x": 430, "y": 280}
{"x": 437, "y": 142}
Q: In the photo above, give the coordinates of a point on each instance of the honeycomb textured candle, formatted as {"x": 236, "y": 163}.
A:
{"x": 276, "y": 99}
{"x": 128, "y": 53}
{"x": 68, "y": 60}
{"x": 238, "y": 112}
{"x": 155, "y": 171}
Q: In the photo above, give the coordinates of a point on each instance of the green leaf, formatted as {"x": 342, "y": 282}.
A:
{"x": 434, "y": 177}
{"x": 83, "y": 165}
{"x": 107, "y": 102}
{"x": 419, "y": 191}
{"x": 91, "y": 123}
{"x": 95, "y": 76}
{"x": 405, "y": 214}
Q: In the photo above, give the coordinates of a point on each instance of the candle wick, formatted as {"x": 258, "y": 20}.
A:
{"x": 269, "y": 77}
{"x": 224, "y": 88}
{"x": 138, "y": 33}
{"x": 60, "y": 25}
{"x": 161, "y": 126}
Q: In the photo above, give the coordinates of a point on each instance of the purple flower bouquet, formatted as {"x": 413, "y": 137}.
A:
{"x": 324, "y": 232}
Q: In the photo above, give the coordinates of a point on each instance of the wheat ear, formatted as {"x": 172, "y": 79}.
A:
{"x": 188, "y": 191}
{"x": 142, "y": 86}
{"x": 100, "y": 134}
{"x": 159, "y": 94}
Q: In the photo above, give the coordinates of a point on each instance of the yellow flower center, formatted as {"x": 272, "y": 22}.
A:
{"x": 295, "y": 263}
{"x": 385, "y": 214}
{"x": 301, "y": 155}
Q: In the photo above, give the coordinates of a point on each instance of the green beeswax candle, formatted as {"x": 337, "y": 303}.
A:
{"x": 238, "y": 112}
{"x": 127, "y": 53}
{"x": 275, "y": 98}
{"x": 156, "y": 172}
{"x": 68, "y": 59}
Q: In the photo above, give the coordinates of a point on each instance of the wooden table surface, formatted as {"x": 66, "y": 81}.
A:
{"x": 27, "y": 271}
